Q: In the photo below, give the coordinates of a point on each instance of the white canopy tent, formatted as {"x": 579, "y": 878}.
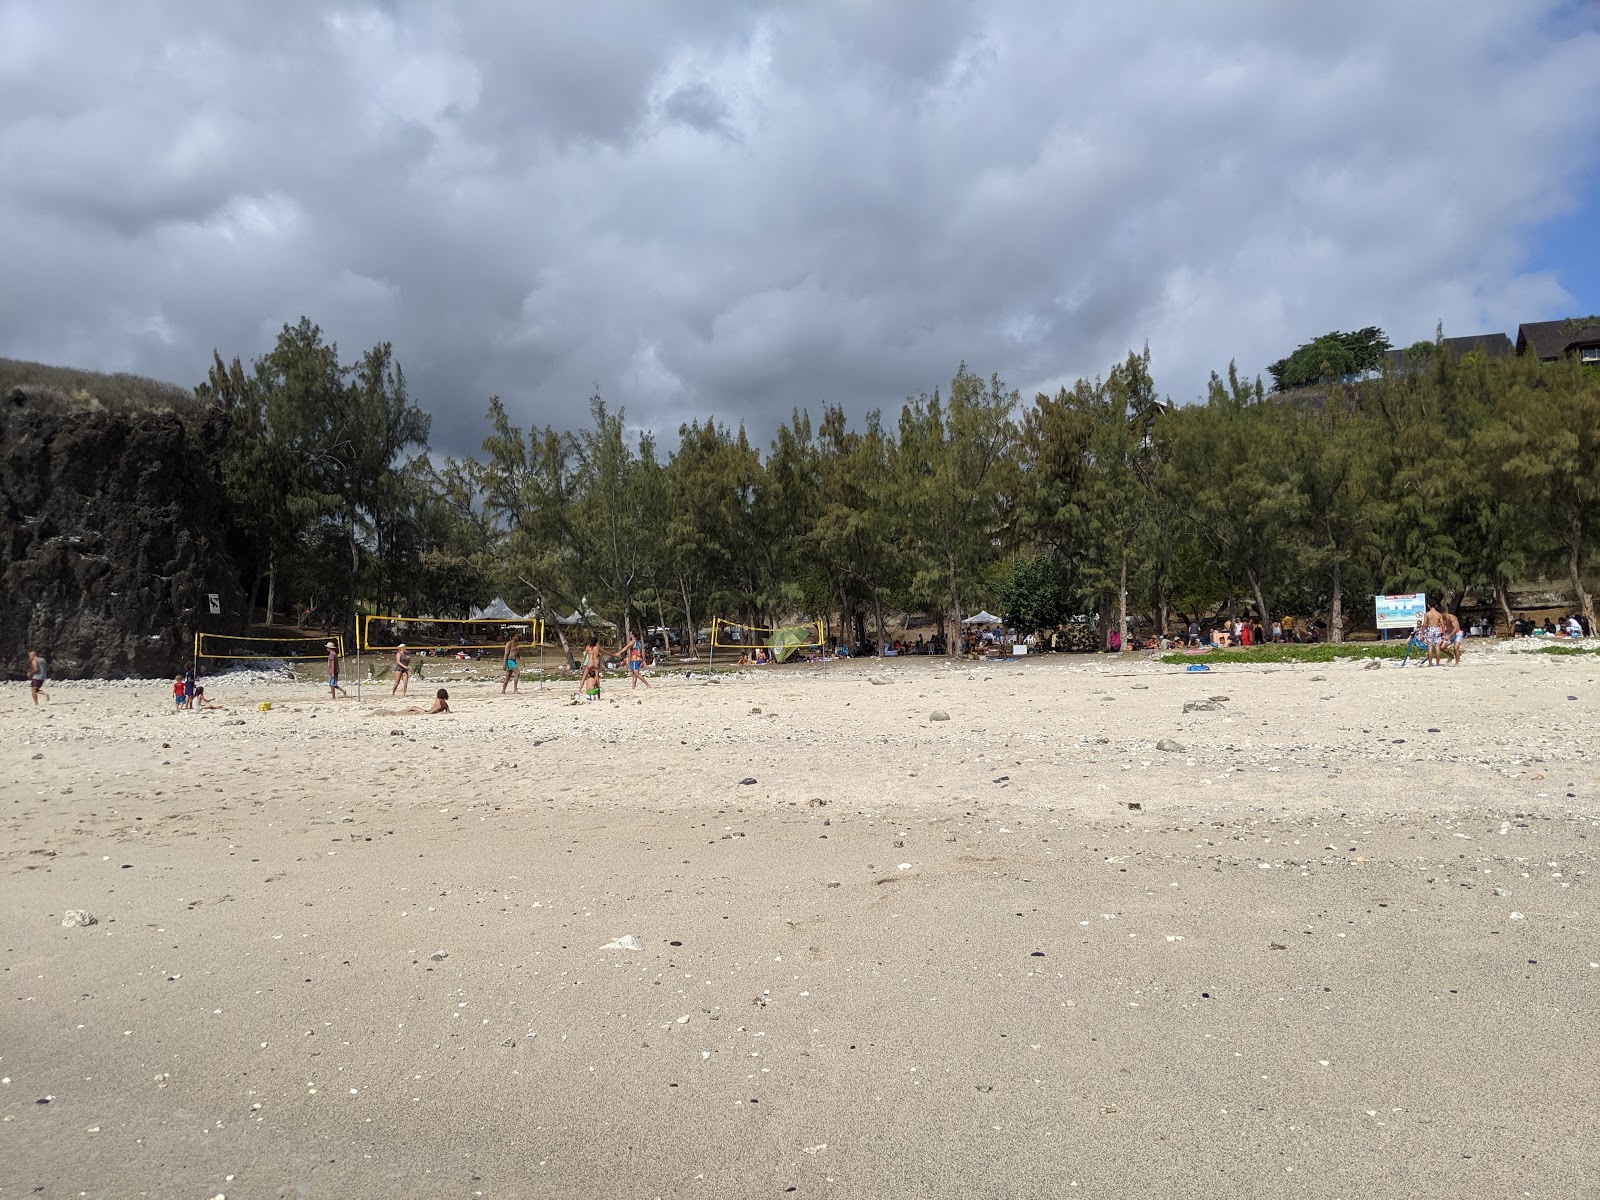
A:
{"x": 981, "y": 618}
{"x": 498, "y": 610}
{"x": 590, "y": 619}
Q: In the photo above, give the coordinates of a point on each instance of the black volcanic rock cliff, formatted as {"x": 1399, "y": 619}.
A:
{"x": 112, "y": 533}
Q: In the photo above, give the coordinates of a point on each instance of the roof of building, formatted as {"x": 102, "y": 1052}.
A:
{"x": 1492, "y": 345}
{"x": 1553, "y": 339}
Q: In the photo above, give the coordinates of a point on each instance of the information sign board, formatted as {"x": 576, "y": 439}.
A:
{"x": 1400, "y": 612}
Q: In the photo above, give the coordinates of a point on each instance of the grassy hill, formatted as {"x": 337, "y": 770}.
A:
{"x": 91, "y": 390}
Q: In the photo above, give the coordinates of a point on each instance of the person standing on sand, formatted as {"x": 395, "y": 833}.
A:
{"x": 402, "y": 670}
{"x": 334, "y": 690}
{"x": 635, "y": 654}
{"x": 1433, "y": 624}
{"x": 589, "y": 674}
{"x": 38, "y": 672}
{"x": 1456, "y": 634}
{"x": 510, "y": 663}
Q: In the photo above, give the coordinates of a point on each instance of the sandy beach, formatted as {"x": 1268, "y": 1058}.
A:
{"x": 1341, "y": 941}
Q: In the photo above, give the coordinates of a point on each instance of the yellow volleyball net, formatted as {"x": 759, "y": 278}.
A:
{"x": 444, "y": 634}
{"x": 779, "y": 640}
{"x": 276, "y": 648}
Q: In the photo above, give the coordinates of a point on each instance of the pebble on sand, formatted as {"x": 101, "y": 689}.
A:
{"x": 626, "y": 942}
{"x": 76, "y": 917}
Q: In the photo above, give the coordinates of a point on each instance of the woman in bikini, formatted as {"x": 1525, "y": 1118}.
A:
{"x": 402, "y": 670}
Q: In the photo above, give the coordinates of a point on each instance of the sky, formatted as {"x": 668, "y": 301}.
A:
{"x": 732, "y": 210}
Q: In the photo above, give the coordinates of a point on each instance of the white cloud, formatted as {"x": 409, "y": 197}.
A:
{"x": 732, "y": 210}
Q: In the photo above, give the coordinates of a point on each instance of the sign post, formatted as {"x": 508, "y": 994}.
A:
{"x": 1399, "y": 612}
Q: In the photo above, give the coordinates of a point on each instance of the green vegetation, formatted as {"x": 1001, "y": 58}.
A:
{"x": 1330, "y": 357}
{"x": 1322, "y": 652}
{"x": 1101, "y": 499}
{"x": 1567, "y": 650}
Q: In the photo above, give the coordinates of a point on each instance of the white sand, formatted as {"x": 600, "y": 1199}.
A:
{"x": 915, "y": 958}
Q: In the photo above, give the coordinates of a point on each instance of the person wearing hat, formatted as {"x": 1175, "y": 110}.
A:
{"x": 334, "y": 690}
{"x": 402, "y": 670}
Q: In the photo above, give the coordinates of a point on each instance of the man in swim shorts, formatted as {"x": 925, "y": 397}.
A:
{"x": 511, "y": 663}
{"x": 334, "y": 690}
{"x": 402, "y": 670}
{"x": 1433, "y": 625}
{"x": 1456, "y": 636}
{"x": 38, "y": 672}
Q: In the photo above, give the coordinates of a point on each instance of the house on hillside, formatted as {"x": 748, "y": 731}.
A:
{"x": 1550, "y": 341}
{"x": 1490, "y": 345}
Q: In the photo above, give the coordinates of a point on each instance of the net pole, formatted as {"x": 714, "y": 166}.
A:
{"x": 712, "y": 659}
{"x": 359, "y": 640}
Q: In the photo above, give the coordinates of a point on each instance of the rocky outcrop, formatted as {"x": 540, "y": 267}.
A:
{"x": 112, "y": 533}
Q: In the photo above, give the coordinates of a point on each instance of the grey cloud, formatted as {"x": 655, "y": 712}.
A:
{"x": 720, "y": 209}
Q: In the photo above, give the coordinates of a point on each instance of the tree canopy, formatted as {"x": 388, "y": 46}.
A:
{"x": 1101, "y": 499}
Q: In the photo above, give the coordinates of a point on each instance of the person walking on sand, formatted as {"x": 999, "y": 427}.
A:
{"x": 635, "y": 654}
{"x": 402, "y": 670}
{"x": 38, "y": 672}
{"x": 1433, "y": 625}
{"x": 1456, "y": 634}
{"x": 510, "y": 663}
{"x": 334, "y": 690}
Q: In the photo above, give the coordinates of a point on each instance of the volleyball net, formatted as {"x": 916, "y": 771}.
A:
{"x": 277, "y": 648}
{"x": 447, "y": 633}
{"x": 782, "y": 640}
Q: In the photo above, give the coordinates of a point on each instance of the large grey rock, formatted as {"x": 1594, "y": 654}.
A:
{"x": 112, "y": 531}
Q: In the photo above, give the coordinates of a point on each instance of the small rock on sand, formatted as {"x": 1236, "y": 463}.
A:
{"x": 1200, "y": 706}
{"x": 626, "y": 942}
{"x": 938, "y": 714}
{"x": 1170, "y": 746}
{"x": 76, "y": 917}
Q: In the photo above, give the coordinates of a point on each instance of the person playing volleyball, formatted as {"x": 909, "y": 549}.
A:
{"x": 635, "y": 655}
{"x": 402, "y": 670}
{"x": 511, "y": 663}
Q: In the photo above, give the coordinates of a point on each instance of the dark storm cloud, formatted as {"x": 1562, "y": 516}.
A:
{"x": 736, "y": 210}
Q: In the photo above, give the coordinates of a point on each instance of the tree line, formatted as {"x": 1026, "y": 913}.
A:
{"x": 1453, "y": 477}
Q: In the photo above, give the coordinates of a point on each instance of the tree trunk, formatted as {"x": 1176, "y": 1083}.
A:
{"x": 255, "y": 590}
{"x": 1261, "y": 601}
{"x": 1574, "y": 559}
{"x": 953, "y": 648}
{"x": 1122, "y": 606}
{"x": 692, "y": 636}
{"x": 1336, "y": 609}
{"x": 272, "y": 587}
{"x": 355, "y": 565}
{"x": 1501, "y": 590}
{"x": 877, "y": 604}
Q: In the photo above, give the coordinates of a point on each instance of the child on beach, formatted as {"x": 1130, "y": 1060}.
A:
{"x": 334, "y": 690}
{"x": 177, "y": 690}
{"x": 37, "y": 673}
